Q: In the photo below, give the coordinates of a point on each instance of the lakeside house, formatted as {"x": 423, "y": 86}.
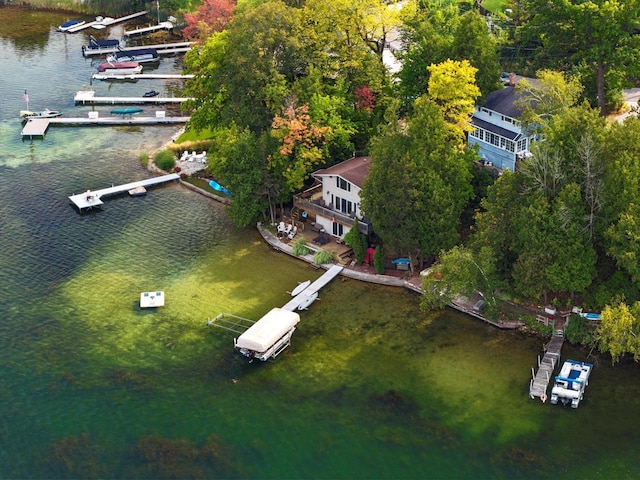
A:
{"x": 334, "y": 202}
{"x": 497, "y": 132}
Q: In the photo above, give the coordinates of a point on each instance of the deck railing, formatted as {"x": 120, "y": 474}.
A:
{"x": 311, "y": 206}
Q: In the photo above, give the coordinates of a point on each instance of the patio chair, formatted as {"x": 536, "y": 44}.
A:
{"x": 293, "y": 232}
{"x": 281, "y": 227}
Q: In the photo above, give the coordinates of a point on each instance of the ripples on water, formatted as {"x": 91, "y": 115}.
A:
{"x": 371, "y": 387}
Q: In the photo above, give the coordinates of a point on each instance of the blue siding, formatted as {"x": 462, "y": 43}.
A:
{"x": 502, "y": 159}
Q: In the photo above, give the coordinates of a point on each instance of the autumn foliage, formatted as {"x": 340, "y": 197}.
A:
{"x": 211, "y": 16}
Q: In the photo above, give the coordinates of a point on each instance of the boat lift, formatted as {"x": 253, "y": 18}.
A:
{"x": 233, "y": 323}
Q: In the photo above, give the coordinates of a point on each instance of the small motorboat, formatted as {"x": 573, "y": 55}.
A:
{"x": 138, "y": 191}
{"x": 70, "y": 24}
{"x": 151, "y": 93}
{"x": 46, "y": 113}
{"x": 126, "y": 111}
{"x": 120, "y": 68}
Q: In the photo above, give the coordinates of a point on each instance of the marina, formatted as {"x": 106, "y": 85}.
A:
{"x": 93, "y": 198}
{"x": 84, "y": 97}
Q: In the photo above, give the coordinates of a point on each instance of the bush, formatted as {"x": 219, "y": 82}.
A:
{"x": 300, "y": 247}
{"x": 165, "y": 160}
{"x": 580, "y": 330}
{"x": 358, "y": 241}
{"x": 322, "y": 256}
{"x": 378, "y": 260}
{"x": 144, "y": 159}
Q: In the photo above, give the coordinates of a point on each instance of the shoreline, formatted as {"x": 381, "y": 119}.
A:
{"x": 462, "y": 304}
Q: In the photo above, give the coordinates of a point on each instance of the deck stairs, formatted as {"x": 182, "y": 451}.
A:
{"x": 540, "y": 380}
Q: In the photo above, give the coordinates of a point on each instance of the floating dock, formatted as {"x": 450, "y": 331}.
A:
{"x": 106, "y": 22}
{"x": 162, "y": 48}
{"x": 153, "y": 28}
{"x": 140, "y": 76}
{"x": 84, "y": 97}
{"x": 540, "y": 380}
{"x": 151, "y": 299}
{"x": 93, "y": 198}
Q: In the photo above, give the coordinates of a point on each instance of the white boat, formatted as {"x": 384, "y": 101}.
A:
{"x": 569, "y": 386}
{"x": 307, "y": 300}
{"x": 300, "y": 288}
{"x": 46, "y": 113}
{"x": 138, "y": 191}
{"x": 70, "y": 24}
{"x": 120, "y": 68}
{"x": 269, "y": 336}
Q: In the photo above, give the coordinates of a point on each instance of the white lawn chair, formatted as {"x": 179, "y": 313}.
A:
{"x": 282, "y": 227}
{"x": 293, "y": 232}
{"x": 184, "y": 156}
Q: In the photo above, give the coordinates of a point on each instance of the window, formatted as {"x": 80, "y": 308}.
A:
{"x": 342, "y": 184}
{"x": 338, "y": 229}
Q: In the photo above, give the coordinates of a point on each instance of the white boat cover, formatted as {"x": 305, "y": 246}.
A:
{"x": 268, "y": 330}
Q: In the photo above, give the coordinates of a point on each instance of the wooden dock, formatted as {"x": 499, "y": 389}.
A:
{"x": 162, "y": 48}
{"x": 37, "y": 127}
{"x": 153, "y": 28}
{"x": 84, "y": 97}
{"x": 106, "y": 22}
{"x": 141, "y": 76}
{"x": 540, "y": 380}
{"x": 93, "y": 198}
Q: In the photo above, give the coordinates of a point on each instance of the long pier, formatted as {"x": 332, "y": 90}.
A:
{"x": 37, "y": 127}
{"x": 153, "y": 28}
{"x": 89, "y": 199}
{"x": 141, "y": 76}
{"x": 105, "y": 22}
{"x": 162, "y": 48}
{"x": 89, "y": 97}
{"x": 540, "y": 380}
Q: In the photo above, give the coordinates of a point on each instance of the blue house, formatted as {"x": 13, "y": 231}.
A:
{"x": 497, "y": 131}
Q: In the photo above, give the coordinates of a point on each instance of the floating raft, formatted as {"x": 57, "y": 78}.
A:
{"x": 151, "y": 299}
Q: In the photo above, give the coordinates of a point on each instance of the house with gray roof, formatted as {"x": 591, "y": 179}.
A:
{"x": 497, "y": 131}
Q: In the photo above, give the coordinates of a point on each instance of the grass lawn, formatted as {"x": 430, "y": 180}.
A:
{"x": 495, "y": 6}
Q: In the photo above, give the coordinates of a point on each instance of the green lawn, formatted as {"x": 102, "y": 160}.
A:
{"x": 495, "y": 6}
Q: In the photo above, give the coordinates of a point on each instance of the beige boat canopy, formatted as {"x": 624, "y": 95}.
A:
{"x": 263, "y": 334}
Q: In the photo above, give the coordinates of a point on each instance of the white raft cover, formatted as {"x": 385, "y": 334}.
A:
{"x": 268, "y": 330}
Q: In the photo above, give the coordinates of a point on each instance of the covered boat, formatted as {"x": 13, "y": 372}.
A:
{"x": 268, "y": 336}
{"x": 126, "y": 111}
{"x": 70, "y": 24}
{"x": 569, "y": 386}
{"x": 120, "y": 68}
{"x": 142, "y": 55}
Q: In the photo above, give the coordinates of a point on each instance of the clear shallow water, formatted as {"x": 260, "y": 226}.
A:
{"x": 93, "y": 387}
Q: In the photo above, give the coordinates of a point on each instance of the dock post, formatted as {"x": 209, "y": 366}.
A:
{"x": 538, "y": 361}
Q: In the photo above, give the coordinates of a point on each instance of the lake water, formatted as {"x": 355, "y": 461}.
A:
{"x": 93, "y": 387}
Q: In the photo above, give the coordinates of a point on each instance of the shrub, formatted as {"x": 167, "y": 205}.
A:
{"x": 322, "y": 256}
{"x": 144, "y": 159}
{"x": 356, "y": 240}
{"x": 300, "y": 247}
{"x": 165, "y": 160}
{"x": 378, "y": 260}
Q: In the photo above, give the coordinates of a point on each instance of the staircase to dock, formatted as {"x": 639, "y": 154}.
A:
{"x": 540, "y": 379}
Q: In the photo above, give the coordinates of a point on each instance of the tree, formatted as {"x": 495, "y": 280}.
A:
{"x": 453, "y": 88}
{"x": 460, "y": 271}
{"x": 600, "y": 34}
{"x": 624, "y": 241}
{"x": 619, "y": 331}
{"x": 211, "y": 16}
{"x": 357, "y": 241}
{"x": 418, "y": 184}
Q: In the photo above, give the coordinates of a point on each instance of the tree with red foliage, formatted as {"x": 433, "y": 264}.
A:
{"x": 365, "y": 99}
{"x": 211, "y": 16}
